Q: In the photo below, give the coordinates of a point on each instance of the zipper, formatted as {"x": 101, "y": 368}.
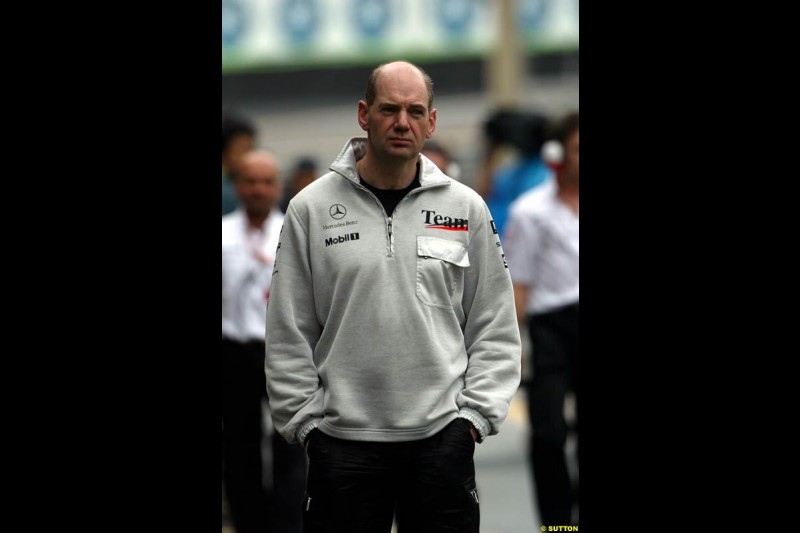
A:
{"x": 390, "y": 236}
{"x": 308, "y": 503}
{"x": 390, "y": 252}
{"x": 386, "y": 217}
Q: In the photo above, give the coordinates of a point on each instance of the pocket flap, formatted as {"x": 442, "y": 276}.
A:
{"x": 450, "y": 251}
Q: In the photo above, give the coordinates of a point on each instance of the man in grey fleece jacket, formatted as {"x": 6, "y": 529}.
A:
{"x": 391, "y": 340}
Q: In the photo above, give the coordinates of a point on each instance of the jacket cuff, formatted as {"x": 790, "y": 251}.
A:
{"x": 306, "y": 428}
{"x": 480, "y": 423}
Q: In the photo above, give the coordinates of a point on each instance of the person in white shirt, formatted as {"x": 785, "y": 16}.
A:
{"x": 249, "y": 243}
{"x": 541, "y": 243}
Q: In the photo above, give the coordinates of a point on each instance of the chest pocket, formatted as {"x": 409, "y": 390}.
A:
{"x": 440, "y": 270}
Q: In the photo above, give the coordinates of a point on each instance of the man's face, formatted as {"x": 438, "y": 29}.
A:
{"x": 258, "y": 186}
{"x": 398, "y": 122}
{"x": 572, "y": 156}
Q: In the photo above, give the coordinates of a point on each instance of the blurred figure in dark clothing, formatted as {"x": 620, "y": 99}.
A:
{"x": 305, "y": 171}
{"x": 238, "y": 138}
{"x": 524, "y": 132}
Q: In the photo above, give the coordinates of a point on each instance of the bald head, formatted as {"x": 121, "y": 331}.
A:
{"x": 398, "y": 118}
{"x": 259, "y": 161}
{"x": 258, "y": 184}
{"x": 393, "y": 70}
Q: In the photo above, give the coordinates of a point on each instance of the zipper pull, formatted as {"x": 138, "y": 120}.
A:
{"x": 390, "y": 226}
{"x": 308, "y": 503}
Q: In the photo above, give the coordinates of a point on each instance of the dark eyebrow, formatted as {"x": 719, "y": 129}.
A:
{"x": 386, "y": 106}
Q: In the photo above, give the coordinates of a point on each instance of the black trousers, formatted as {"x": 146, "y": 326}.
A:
{"x": 289, "y": 470}
{"x": 243, "y": 387}
{"x": 358, "y": 487}
{"x": 554, "y": 337}
{"x": 253, "y": 507}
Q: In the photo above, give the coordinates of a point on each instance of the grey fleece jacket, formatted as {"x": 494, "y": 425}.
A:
{"x": 387, "y": 328}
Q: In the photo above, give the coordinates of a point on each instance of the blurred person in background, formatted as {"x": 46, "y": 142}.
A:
{"x": 238, "y": 138}
{"x": 442, "y": 158}
{"x": 250, "y": 237}
{"x": 392, "y": 345}
{"x": 523, "y": 132}
{"x": 541, "y": 243}
{"x": 304, "y": 172}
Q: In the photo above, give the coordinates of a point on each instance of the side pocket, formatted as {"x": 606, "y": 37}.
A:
{"x": 313, "y": 521}
{"x": 472, "y": 512}
{"x": 309, "y": 438}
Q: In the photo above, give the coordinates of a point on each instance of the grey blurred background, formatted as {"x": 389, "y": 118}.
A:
{"x": 297, "y": 68}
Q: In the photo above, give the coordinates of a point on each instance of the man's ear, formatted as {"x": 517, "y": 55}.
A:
{"x": 363, "y": 115}
{"x": 431, "y": 124}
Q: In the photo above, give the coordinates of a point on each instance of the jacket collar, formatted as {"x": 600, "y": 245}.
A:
{"x": 356, "y": 148}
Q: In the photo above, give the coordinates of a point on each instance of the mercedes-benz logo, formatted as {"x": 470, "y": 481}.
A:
{"x": 338, "y": 211}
